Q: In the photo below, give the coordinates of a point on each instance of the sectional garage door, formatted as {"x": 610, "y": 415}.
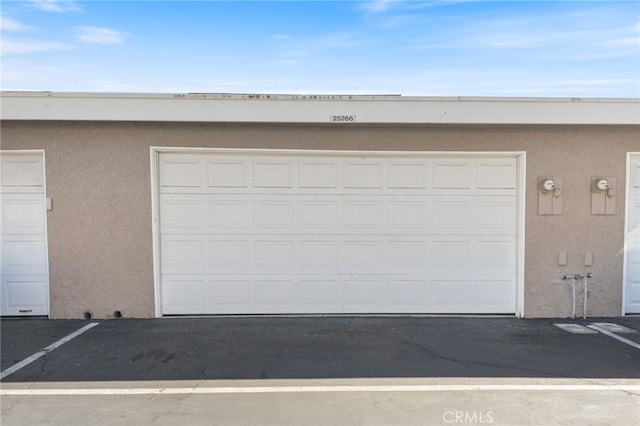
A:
{"x": 303, "y": 232}
{"x": 24, "y": 277}
{"x": 632, "y": 273}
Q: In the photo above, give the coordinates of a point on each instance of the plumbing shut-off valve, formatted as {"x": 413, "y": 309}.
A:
{"x": 574, "y": 278}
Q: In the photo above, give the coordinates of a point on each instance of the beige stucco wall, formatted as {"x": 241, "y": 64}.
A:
{"x": 99, "y": 231}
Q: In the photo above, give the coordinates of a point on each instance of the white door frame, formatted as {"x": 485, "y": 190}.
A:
{"x": 627, "y": 212}
{"x": 155, "y": 152}
{"x": 46, "y": 227}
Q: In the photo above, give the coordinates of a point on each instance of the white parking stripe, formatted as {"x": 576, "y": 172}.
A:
{"x": 615, "y": 336}
{"x": 318, "y": 389}
{"x": 46, "y": 350}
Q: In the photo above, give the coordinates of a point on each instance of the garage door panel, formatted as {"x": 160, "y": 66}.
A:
{"x": 406, "y": 295}
{"x": 453, "y": 215}
{"x": 185, "y": 213}
{"x": 450, "y": 294}
{"x": 275, "y": 255}
{"x": 339, "y": 234}
{"x": 341, "y": 293}
{"x": 230, "y": 254}
{"x": 496, "y": 215}
{"x": 183, "y": 256}
{"x": 274, "y": 214}
{"x": 634, "y": 174}
{"x": 633, "y": 293}
{"x": 497, "y": 174}
{"x": 363, "y": 256}
{"x": 406, "y": 255}
{"x": 229, "y": 214}
{"x": 319, "y": 214}
{"x": 228, "y": 296}
{"x": 273, "y": 173}
{"x": 319, "y": 255}
{"x": 25, "y": 294}
{"x": 453, "y": 174}
{"x": 408, "y": 174}
{"x": 21, "y": 256}
{"x": 634, "y": 215}
{"x": 340, "y": 254}
{"x": 407, "y": 215}
{"x": 321, "y": 294}
{"x": 21, "y": 173}
{"x": 363, "y": 214}
{"x": 227, "y": 173}
{"x": 181, "y": 172}
{"x": 23, "y": 214}
{"x": 495, "y": 256}
{"x": 274, "y": 295}
{"x": 182, "y": 296}
{"x": 363, "y": 174}
{"x": 362, "y": 294}
{"x": 448, "y": 254}
{"x": 319, "y": 174}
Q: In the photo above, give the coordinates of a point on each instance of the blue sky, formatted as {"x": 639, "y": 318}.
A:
{"x": 428, "y": 48}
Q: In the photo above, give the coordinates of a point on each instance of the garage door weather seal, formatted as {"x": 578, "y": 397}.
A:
{"x": 46, "y": 350}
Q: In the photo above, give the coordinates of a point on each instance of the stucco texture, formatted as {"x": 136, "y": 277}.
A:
{"x": 100, "y": 228}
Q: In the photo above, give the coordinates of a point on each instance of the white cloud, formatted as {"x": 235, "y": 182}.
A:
{"x": 57, "y": 6}
{"x": 623, "y": 42}
{"x": 7, "y": 24}
{"x": 19, "y": 47}
{"x": 100, "y": 35}
{"x": 337, "y": 40}
{"x": 280, "y": 37}
{"x": 382, "y": 6}
{"x": 377, "y": 6}
{"x": 286, "y": 61}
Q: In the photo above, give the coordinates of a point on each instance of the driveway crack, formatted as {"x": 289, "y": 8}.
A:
{"x": 42, "y": 368}
{"x": 204, "y": 374}
{"x": 435, "y": 354}
{"x": 12, "y": 406}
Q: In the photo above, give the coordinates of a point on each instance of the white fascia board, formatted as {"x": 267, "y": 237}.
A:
{"x": 316, "y": 109}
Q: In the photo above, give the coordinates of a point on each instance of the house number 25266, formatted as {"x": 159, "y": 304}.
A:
{"x": 342, "y": 118}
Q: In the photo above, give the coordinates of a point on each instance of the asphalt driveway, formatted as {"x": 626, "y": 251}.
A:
{"x": 313, "y": 348}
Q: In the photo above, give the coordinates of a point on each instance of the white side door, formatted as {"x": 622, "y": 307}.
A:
{"x": 632, "y": 238}
{"x": 24, "y": 281}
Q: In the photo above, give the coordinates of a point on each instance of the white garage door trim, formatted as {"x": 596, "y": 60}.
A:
{"x": 520, "y": 158}
{"x": 631, "y": 302}
{"x": 26, "y": 264}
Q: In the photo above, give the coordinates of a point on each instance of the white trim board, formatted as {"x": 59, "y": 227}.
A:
{"x": 236, "y": 108}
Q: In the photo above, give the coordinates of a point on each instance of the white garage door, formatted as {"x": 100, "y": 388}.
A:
{"x": 25, "y": 276}
{"x": 632, "y": 273}
{"x": 343, "y": 233}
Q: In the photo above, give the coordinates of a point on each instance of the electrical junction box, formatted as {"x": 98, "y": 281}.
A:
{"x": 549, "y": 195}
{"x": 603, "y": 195}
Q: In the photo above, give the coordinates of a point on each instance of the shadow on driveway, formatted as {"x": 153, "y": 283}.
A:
{"x": 298, "y": 348}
